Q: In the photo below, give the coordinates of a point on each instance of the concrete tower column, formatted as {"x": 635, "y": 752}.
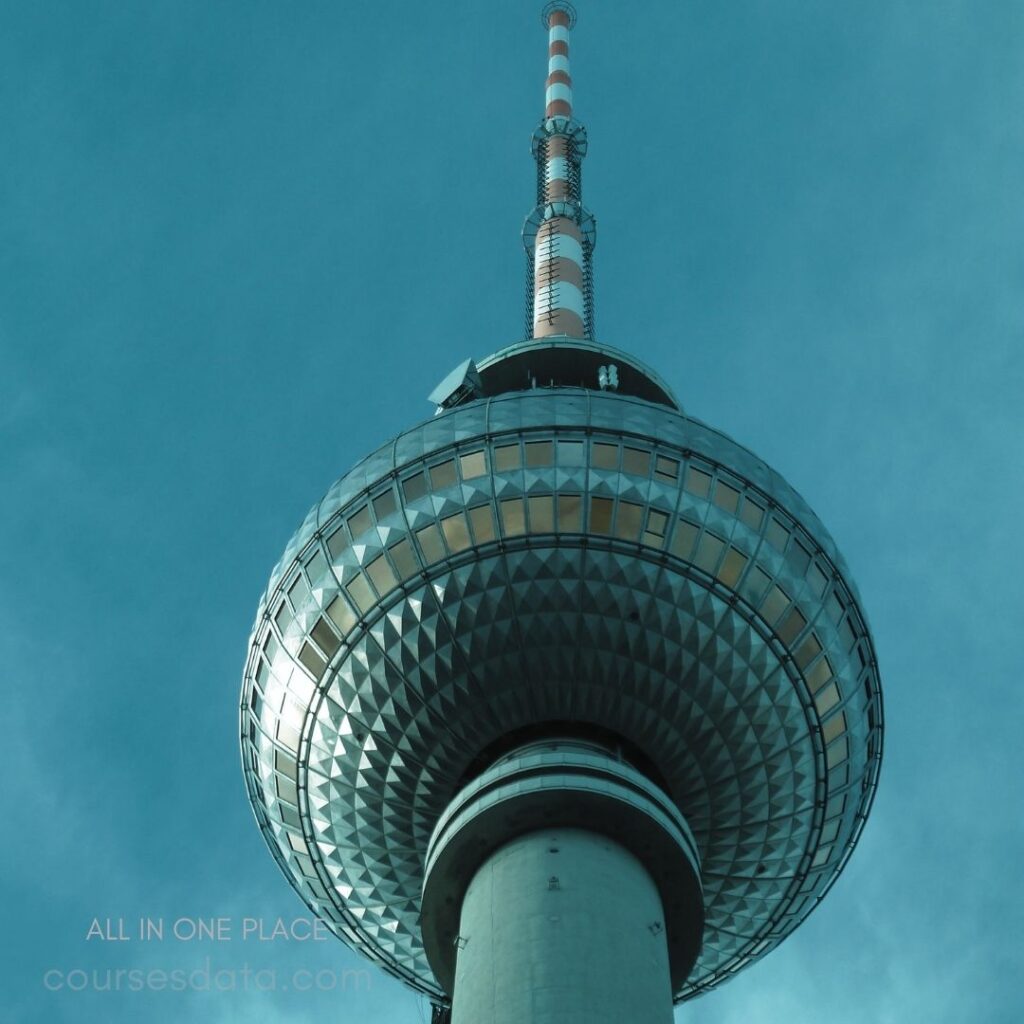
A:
{"x": 562, "y": 885}
{"x": 560, "y": 926}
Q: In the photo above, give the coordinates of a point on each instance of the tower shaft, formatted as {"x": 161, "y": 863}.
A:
{"x": 558, "y": 926}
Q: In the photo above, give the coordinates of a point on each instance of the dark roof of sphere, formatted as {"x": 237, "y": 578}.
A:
{"x": 561, "y": 555}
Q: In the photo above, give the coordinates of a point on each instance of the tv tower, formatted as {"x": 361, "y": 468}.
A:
{"x": 561, "y": 704}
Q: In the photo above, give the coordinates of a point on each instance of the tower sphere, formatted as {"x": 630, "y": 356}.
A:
{"x": 560, "y": 562}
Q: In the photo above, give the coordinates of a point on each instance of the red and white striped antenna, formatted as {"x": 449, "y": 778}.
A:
{"x": 560, "y": 234}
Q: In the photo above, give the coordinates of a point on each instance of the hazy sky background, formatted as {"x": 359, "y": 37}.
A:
{"x": 240, "y": 244}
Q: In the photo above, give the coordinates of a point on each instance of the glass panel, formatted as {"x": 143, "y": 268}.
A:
{"x": 314, "y": 664}
{"x": 542, "y": 518}
{"x": 316, "y": 566}
{"x": 456, "y": 532}
{"x": 834, "y": 727}
{"x": 430, "y": 542}
{"x": 819, "y": 675}
{"x": 732, "y": 567}
{"x": 540, "y": 453}
{"x": 414, "y": 487}
{"x": 830, "y": 831}
{"x": 359, "y": 522}
{"x": 570, "y": 453}
{"x": 507, "y": 457}
{"x": 341, "y": 614}
{"x": 777, "y": 535}
{"x": 601, "y": 515}
{"x": 826, "y": 699}
{"x": 381, "y": 574}
{"x": 822, "y": 856}
{"x": 683, "y": 539}
{"x": 817, "y": 579}
{"x": 755, "y": 584}
{"x": 283, "y": 616}
{"x": 809, "y": 650}
{"x": 287, "y": 790}
{"x": 472, "y": 464}
{"x": 482, "y": 523}
{"x": 799, "y": 558}
{"x": 384, "y": 505}
{"x": 630, "y": 520}
{"x": 636, "y": 461}
{"x": 337, "y": 542}
{"x": 657, "y": 523}
{"x": 834, "y": 607}
{"x": 442, "y": 475}
{"x": 513, "y": 517}
{"x": 298, "y": 592}
{"x": 666, "y": 468}
{"x": 835, "y": 806}
{"x": 604, "y": 456}
{"x": 359, "y": 590}
{"x": 847, "y": 633}
{"x": 837, "y": 753}
{"x": 698, "y": 482}
{"x": 708, "y": 552}
{"x": 327, "y": 640}
{"x": 792, "y": 627}
{"x": 726, "y": 497}
{"x": 285, "y": 764}
{"x": 404, "y": 559}
{"x": 752, "y": 514}
{"x": 775, "y": 603}
{"x": 570, "y": 513}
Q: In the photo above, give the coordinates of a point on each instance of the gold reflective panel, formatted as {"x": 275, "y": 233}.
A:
{"x": 683, "y": 539}
{"x": 698, "y": 482}
{"x": 337, "y": 542}
{"x": 542, "y": 513}
{"x": 339, "y": 612}
{"x": 636, "y": 461}
{"x": 381, "y": 574}
{"x": 325, "y": 637}
{"x": 362, "y": 595}
{"x": 837, "y": 753}
{"x": 751, "y": 514}
{"x": 630, "y": 520}
{"x": 481, "y": 520}
{"x": 819, "y": 675}
{"x": 456, "y": 532}
{"x": 809, "y": 650}
{"x": 657, "y": 522}
{"x": 384, "y": 505}
{"x": 792, "y": 627}
{"x": 774, "y": 604}
{"x": 604, "y": 456}
{"x": 312, "y": 661}
{"x": 601, "y": 515}
{"x": 442, "y": 475}
{"x": 507, "y": 457}
{"x": 732, "y": 567}
{"x": 429, "y": 539}
{"x": 708, "y": 552}
{"x": 472, "y": 464}
{"x": 414, "y": 486}
{"x": 513, "y": 517}
{"x": 726, "y": 497}
{"x": 540, "y": 453}
{"x": 359, "y": 522}
{"x": 570, "y": 513}
{"x": 666, "y": 469}
{"x": 404, "y": 559}
{"x": 834, "y": 727}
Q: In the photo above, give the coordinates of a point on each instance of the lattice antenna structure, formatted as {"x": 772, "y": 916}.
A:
{"x": 559, "y": 234}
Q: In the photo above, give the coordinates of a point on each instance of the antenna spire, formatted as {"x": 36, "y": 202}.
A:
{"x": 560, "y": 234}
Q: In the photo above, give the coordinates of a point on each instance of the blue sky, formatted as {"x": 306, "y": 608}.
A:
{"x": 240, "y": 245}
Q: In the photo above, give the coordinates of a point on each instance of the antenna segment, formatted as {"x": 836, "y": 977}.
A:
{"x": 560, "y": 234}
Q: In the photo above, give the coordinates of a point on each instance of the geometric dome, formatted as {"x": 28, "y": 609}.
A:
{"x": 561, "y": 559}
